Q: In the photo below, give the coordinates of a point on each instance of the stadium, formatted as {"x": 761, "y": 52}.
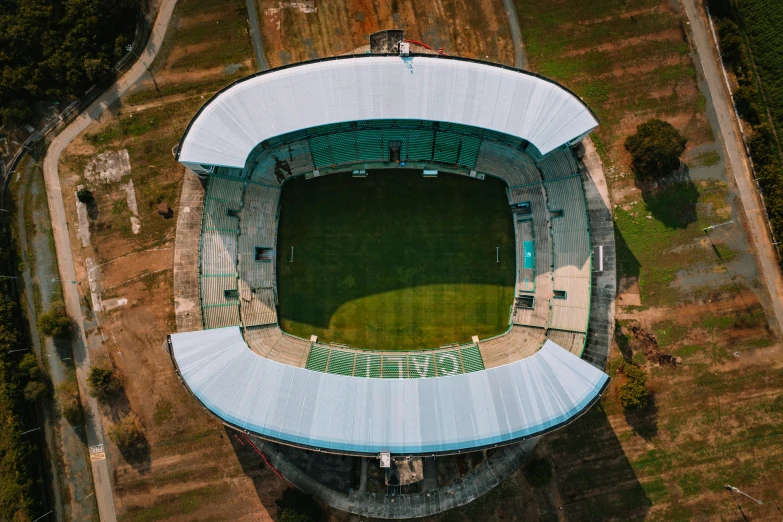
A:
{"x": 396, "y": 259}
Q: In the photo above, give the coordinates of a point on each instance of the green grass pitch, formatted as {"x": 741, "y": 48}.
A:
{"x": 395, "y": 261}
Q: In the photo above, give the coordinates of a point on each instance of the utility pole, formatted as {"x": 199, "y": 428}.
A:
{"x": 129, "y": 48}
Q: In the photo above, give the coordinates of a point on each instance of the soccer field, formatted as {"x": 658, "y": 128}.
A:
{"x": 395, "y": 261}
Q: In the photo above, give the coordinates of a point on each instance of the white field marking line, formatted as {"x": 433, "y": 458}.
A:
{"x": 292, "y": 254}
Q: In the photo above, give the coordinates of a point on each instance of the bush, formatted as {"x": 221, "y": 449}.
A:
{"x": 745, "y": 99}
{"x": 55, "y": 322}
{"x": 102, "y": 383}
{"x": 289, "y": 515}
{"x": 655, "y": 149}
{"x": 35, "y": 390}
{"x": 29, "y": 366}
{"x": 84, "y": 195}
{"x": 295, "y": 506}
{"x": 68, "y": 399}
{"x": 538, "y": 472}
{"x": 730, "y": 42}
{"x": 127, "y": 435}
{"x": 634, "y": 392}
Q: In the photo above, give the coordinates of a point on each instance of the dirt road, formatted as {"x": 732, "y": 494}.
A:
{"x": 753, "y": 211}
{"x": 81, "y": 355}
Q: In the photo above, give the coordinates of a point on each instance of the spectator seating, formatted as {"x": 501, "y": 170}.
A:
{"x": 571, "y": 256}
{"x": 560, "y": 163}
{"x": 509, "y": 163}
{"x": 394, "y": 365}
{"x": 518, "y": 343}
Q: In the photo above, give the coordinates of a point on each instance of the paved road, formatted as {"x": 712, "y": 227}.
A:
{"x": 754, "y": 212}
{"x": 520, "y": 59}
{"x": 81, "y": 355}
{"x": 255, "y": 35}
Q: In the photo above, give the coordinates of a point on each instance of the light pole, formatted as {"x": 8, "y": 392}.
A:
{"x": 129, "y": 48}
{"x": 720, "y": 258}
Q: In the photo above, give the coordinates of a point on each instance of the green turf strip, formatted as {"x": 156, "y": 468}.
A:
{"x": 395, "y": 261}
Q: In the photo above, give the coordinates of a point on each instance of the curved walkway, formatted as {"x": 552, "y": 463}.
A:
{"x": 81, "y": 355}
{"x": 520, "y": 58}
{"x": 255, "y": 35}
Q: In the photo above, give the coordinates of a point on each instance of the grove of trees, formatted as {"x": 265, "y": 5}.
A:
{"x": 58, "y": 48}
{"x": 20, "y": 498}
{"x": 750, "y": 43}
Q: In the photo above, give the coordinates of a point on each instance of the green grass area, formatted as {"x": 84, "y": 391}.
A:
{"x": 628, "y": 60}
{"x": 395, "y": 261}
{"x": 660, "y": 235}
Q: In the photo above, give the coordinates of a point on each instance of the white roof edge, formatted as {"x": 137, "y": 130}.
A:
{"x": 367, "y": 87}
{"x": 468, "y": 411}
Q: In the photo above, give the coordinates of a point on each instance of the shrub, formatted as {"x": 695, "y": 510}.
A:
{"x": 745, "y": 99}
{"x": 35, "y": 390}
{"x": 102, "y": 382}
{"x": 289, "y": 515}
{"x": 29, "y": 366}
{"x": 68, "y": 400}
{"x": 634, "y": 392}
{"x": 538, "y": 472}
{"x": 295, "y": 506}
{"x": 127, "y": 435}
{"x": 84, "y": 195}
{"x": 655, "y": 149}
{"x": 730, "y": 41}
{"x": 55, "y": 322}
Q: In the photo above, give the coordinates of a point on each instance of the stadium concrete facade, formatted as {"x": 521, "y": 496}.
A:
{"x": 357, "y": 113}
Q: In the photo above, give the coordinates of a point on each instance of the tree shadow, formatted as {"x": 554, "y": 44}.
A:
{"x": 139, "y": 456}
{"x": 644, "y": 422}
{"x": 92, "y": 208}
{"x": 264, "y": 478}
{"x": 628, "y": 266}
{"x": 594, "y": 478}
{"x": 671, "y": 200}
{"x": 623, "y": 342}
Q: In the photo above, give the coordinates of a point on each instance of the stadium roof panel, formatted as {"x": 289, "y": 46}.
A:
{"x": 372, "y": 87}
{"x": 367, "y": 416}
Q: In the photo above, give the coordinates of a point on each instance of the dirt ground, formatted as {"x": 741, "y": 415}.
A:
{"x": 472, "y": 29}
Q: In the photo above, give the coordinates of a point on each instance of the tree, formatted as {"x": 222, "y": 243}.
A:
{"x": 655, "y": 149}
{"x": 295, "y": 506}
{"x": 102, "y": 382}
{"x": 68, "y": 399}
{"x": 538, "y": 472}
{"x": 55, "y": 323}
{"x": 634, "y": 392}
{"x": 127, "y": 435}
{"x": 730, "y": 41}
{"x": 289, "y": 515}
{"x": 84, "y": 195}
{"x": 35, "y": 390}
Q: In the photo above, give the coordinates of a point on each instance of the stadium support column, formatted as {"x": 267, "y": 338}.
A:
{"x": 363, "y": 471}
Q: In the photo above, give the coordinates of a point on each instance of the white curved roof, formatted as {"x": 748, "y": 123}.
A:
{"x": 367, "y": 416}
{"x": 370, "y": 87}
